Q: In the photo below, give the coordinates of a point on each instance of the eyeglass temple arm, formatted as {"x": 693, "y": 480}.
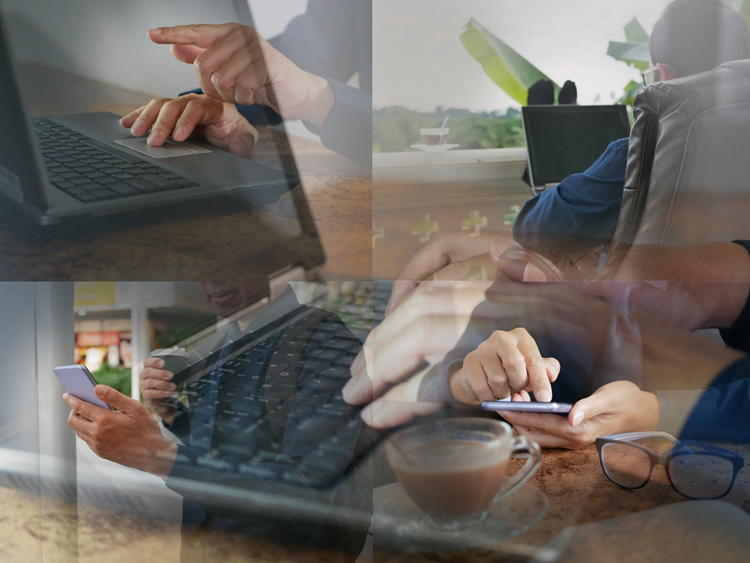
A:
{"x": 639, "y": 435}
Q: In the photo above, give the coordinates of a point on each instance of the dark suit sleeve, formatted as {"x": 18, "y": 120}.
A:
{"x": 723, "y": 411}
{"x": 581, "y": 212}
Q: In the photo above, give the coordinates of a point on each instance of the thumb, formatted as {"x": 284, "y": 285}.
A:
{"x": 533, "y": 274}
{"x": 186, "y": 53}
{"x": 588, "y": 408}
{"x": 243, "y": 141}
{"x": 114, "y": 398}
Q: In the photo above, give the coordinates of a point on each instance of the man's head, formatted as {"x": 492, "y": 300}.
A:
{"x": 693, "y": 36}
{"x": 231, "y": 296}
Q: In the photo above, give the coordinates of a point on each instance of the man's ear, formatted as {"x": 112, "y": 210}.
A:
{"x": 665, "y": 72}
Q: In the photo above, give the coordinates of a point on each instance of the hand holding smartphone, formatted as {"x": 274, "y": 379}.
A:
{"x": 79, "y": 382}
{"x": 523, "y": 406}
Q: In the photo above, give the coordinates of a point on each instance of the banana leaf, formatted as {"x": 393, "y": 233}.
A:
{"x": 508, "y": 69}
{"x": 634, "y": 51}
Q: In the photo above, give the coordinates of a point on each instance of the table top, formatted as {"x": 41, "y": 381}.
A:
{"x": 339, "y": 194}
{"x": 572, "y": 480}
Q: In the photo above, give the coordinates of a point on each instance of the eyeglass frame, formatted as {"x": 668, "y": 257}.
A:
{"x": 737, "y": 460}
{"x": 653, "y": 70}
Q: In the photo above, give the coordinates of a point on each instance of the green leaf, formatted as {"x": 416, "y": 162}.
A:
{"x": 509, "y": 70}
{"x": 630, "y": 91}
{"x": 634, "y": 54}
{"x": 634, "y": 32}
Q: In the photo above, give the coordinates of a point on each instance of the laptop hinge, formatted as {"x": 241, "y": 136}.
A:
{"x": 278, "y": 280}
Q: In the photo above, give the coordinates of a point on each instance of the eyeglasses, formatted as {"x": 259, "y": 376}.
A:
{"x": 695, "y": 470}
{"x": 653, "y": 74}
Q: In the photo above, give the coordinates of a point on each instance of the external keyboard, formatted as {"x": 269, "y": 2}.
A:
{"x": 83, "y": 168}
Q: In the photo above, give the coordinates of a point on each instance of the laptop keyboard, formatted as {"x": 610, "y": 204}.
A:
{"x": 286, "y": 390}
{"x": 84, "y": 169}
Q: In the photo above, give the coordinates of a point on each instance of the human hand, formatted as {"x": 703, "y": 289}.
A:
{"x": 236, "y": 65}
{"x": 616, "y": 407}
{"x": 156, "y": 386}
{"x": 703, "y": 286}
{"x": 130, "y": 436}
{"x": 442, "y": 251}
{"x": 219, "y": 123}
{"x": 504, "y": 364}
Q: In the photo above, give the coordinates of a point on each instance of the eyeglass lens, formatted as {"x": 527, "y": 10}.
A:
{"x": 625, "y": 464}
{"x": 700, "y": 475}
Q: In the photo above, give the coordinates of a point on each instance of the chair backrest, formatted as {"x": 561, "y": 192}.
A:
{"x": 688, "y": 171}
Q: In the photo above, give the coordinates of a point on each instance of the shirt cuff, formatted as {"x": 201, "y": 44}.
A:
{"x": 738, "y": 336}
{"x": 675, "y": 407}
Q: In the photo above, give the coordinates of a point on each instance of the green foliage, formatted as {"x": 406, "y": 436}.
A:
{"x": 118, "y": 378}
{"x": 634, "y": 51}
{"x": 395, "y": 129}
{"x": 505, "y": 66}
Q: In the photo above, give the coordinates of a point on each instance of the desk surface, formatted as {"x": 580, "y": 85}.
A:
{"x": 577, "y": 490}
{"x": 339, "y": 194}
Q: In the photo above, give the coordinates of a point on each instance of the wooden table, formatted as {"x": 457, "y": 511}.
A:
{"x": 338, "y": 191}
{"x": 575, "y": 486}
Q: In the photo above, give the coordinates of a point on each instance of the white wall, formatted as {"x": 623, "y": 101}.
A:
{"x": 106, "y": 39}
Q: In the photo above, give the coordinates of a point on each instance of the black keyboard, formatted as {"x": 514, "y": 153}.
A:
{"x": 284, "y": 388}
{"x": 83, "y": 168}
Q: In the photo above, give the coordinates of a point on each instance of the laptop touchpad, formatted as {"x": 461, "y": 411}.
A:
{"x": 167, "y": 150}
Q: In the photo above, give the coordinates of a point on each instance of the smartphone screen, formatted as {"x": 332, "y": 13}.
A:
{"x": 79, "y": 382}
{"x": 521, "y": 406}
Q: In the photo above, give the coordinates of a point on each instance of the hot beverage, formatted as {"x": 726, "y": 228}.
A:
{"x": 473, "y": 480}
{"x": 453, "y": 469}
{"x": 435, "y": 135}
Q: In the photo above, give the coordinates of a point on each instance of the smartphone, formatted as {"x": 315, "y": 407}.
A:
{"x": 79, "y": 382}
{"x": 522, "y": 406}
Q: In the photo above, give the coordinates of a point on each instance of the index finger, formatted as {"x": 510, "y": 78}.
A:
{"x": 200, "y": 35}
{"x": 536, "y": 368}
{"x": 82, "y": 408}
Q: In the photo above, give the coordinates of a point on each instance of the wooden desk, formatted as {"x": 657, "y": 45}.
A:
{"x": 338, "y": 191}
{"x": 577, "y": 490}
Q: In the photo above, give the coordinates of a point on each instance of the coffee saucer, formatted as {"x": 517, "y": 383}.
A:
{"x": 398, "y": 523}
{"x": 434, "y": 148}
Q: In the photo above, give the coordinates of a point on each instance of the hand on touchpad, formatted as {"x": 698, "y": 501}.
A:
{"x": 168, "y": 150}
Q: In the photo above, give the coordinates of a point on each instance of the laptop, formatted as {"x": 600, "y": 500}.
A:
{"x": 74, "y": 173}
{"x": 565, "y": 140}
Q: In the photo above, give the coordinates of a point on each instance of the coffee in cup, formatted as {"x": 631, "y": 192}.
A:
{"x": 454, "y": 469}
{"x": 435, "y": 135}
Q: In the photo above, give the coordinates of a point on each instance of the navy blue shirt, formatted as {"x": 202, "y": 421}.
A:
{"x": 581, "y": 212}
{"x": 723, "y": 411}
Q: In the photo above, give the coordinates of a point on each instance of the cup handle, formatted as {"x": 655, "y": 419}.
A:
{"x": 532, "y": 464}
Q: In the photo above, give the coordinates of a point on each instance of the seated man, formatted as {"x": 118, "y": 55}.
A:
{"x": 298, "y": 75}
{"x": 246, "y": 422}
{"x": 580, "y": 213}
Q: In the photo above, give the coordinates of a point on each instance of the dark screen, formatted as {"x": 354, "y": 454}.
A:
{"x": 565, "y": 140}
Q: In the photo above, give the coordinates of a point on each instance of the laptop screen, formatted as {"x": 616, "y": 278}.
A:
{"x": 564, "y": 140}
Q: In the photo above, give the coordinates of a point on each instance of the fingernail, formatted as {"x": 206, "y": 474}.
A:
{"x": 171, "y": 386}
{"x": 168, "y": 376}
{"x": 242, "y": 149}
{"x": 160, "y": 363}
{"x": 154, "y": 137}
{"x": 356, "y": 390}
{"x": 156, "y": 31}
{"x": 578, "y": 418}
{"x": 544, "y": 395}
{"x": 178, "y": 132}
{"x": 138, "y": 126}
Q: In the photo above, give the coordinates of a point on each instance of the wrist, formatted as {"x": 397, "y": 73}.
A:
{"x": 457, "y": 388}
{"x": 161, "y": 463}
{"x": 320, "y": 100}
{"x": 649, "y": 409}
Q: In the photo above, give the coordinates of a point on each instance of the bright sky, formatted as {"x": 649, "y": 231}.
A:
{"x": 420, "y": 62}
